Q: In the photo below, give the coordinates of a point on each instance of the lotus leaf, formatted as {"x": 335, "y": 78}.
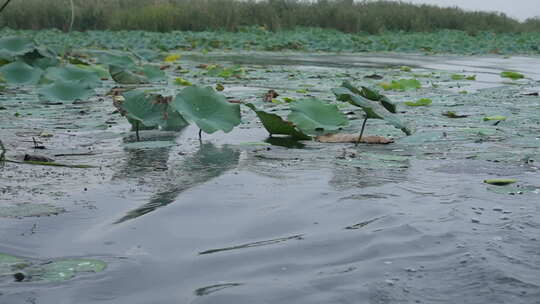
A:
{"x": 315, "y": 117}
{"x": 152, "y": 73}
{"x": 401, "y": 85}
{"x": 208, "y": 109}
{"x": 62, "y": 270}
{"x": 9, "y": 264}
{"x": 374, "y": 95}
{"x": 20, "y": 73}
{"x": 11, "y": 47}
{"x": 497, "y": 117}
{"x": 65, "y": 91}
{"x": 419, "y": 103}
{"x": 71, "y": 73}
{"x": 512, "y": 75}
{"x": 151, "y": 110}
{"x": 124, "y": 76}
{"x": 371, "y": 108}
{"x": 117, "y": 59}
{"x": 274, "y": 124}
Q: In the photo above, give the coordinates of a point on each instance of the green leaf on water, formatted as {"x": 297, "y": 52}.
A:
{"x": 401, "y": 85}
{"x": 420, "y": 102}
{"x": 315, "y": 117}
{"x": 208, "y": 109}
{"x": 274, "y": 124}
{"x": 63, "y": 270}
{"x": 125, "y": 76}
{"x": 71, "y": 73}
{"x": 65, "y": 91}
{"x": 152, "y": 110}
{"x": 152, "y": 73}
{"x": 10, "y": 264}
{"x": 371, "y": 108}
{"x": 181, "y": 81}
{"x": 512, "y": 75}
{"x": 13, "y": 46}
{"x": 20, "y": 73}
{"x": 372, "y": 94}
{"x": 496, "y": 117}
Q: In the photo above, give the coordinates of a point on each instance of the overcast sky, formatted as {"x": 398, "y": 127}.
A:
{"x": 520, "y": 9}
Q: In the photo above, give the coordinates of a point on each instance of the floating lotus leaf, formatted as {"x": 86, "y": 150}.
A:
{"x": 41, "y": 57}
{"x": 29, "y": 210}
{"x": 274, "y": 124}
{"x": 124, "y": 76}
{"x": 20, "y": 73}
{"x": 62, "y": 270}
{"x": 65, "y": 91}
{"x": 208, "y": 109}
{"x": 315, "y": 117}
{"x": 512, "y": 75}
{"x": 15, "y": 46}
{"x": 419, "y": 103}
{"x": 401, "y": 85}
{"x": 10, "y": 264}
{"x": 117, "y": 59}
{"x": 152, "y": 110}
{"x": 371, "y": 108}
{"x": 374, "y": 95}
{"x": 100, "y": 70}
{"x": 152, "y": 73}
{"x": 72, "y": 73}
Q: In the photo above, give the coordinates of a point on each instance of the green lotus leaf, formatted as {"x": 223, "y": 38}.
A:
{"x": 274, "y": 124}
{"x": 208, "y": 109}
{"x": 65, "y": 91}
{"x": 115, "y": 58}
{"x": 124, "y": 76}
{"x": 419, "y": 103}
{"x": 401, "y": 85}
{"x": 315, "y": 117}
{"x": 151, "y": 110}
{"x": 374, "y": 95}
{"x": 72, "y": 73}
{"x": 41, "y": 57}
{"x": 62, "y": 270}
{"x": 100, "y": 70}
{"x": 10, "y": 264}
{"x": 20, "y": 73}
{"x": 371, "y": 108}
{"x": 512, "y": 75}
{"x": 153, "y": 73}
{"x": 11, "y": 47}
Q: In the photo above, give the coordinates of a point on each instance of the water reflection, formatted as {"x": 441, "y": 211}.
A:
{"x": 206, "y": 163}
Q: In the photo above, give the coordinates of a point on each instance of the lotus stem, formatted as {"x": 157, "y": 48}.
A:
{"x": 200, "y": 134}
{"x": 137, "y": 131}
{"x": 4, "y": 6}
{"x": 72, "y": 15}
{"x": 2, "y": 154}
{"x": 361, "y": 131}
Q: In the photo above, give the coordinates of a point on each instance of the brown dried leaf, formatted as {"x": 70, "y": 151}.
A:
{"x": 352, "y": 138}
{"x": 270, "y": 95}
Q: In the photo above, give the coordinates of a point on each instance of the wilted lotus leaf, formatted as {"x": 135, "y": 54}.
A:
{"x": 65, "y": 91}
{"x": 151, "y": 110}
{"x": 125, "y": 76}
{"x": 20, "y": 73}
{"x": 71, "y": 73}
{"x": 274, "y": 124}
{"x": 315, "y": 117}
{"x": 15, "y": 46}
{"x": 208, "y": 109}
{"x": 371, "y": 108}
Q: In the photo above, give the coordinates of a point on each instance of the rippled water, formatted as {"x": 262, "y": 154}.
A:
{"x": 229, "y": 222}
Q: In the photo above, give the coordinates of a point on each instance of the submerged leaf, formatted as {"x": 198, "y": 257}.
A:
{"x": 208, "y": 109}
{"x": 64, "y": 269}
{"x": 313, "y": 116}
{"x": 274, "y": 124}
